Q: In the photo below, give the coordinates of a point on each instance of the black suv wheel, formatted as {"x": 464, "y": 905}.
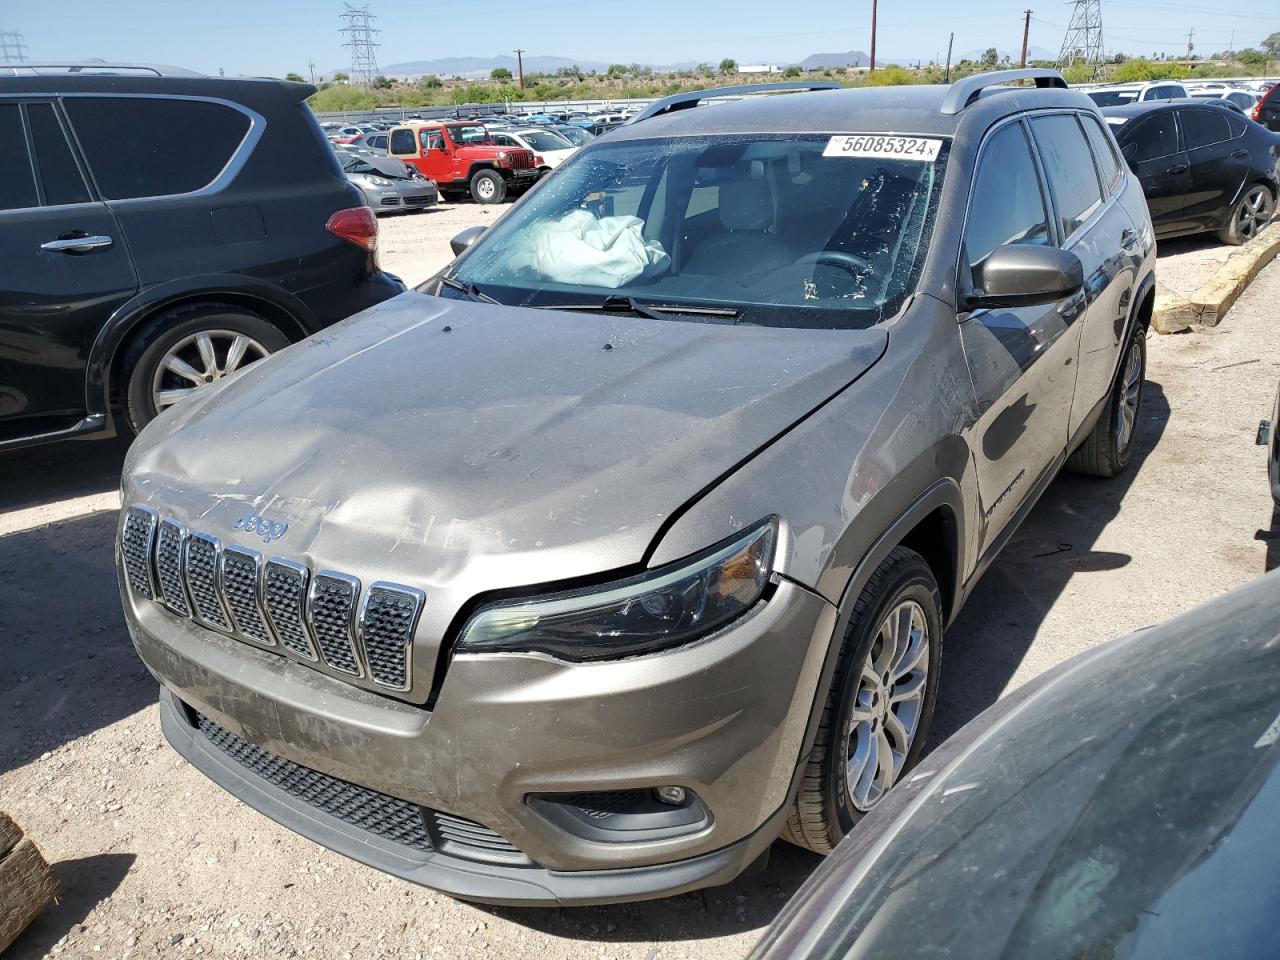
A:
{"x": 187, "y": 348}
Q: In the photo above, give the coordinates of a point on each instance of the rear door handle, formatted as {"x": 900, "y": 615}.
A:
{"x": 76, "y": 244}
{"x": 1177, "y": 168}
{"x": 1240, "y": 154}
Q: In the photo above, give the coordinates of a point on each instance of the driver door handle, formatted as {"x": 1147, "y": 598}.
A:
{"x": 76, "y": 244}
{"x": 1177, "y": 168}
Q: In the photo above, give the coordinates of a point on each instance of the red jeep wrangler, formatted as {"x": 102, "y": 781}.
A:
{"x": 459, "y": 156}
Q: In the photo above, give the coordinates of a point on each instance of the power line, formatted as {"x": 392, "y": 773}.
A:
{"x": 13, "y": 48}
{"x": 359, "y": 30}
{"x": 1083, "y": 40}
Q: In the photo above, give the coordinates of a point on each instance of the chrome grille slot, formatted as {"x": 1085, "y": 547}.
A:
{"x": 137, "y": 539}
{"x": 388, "y": 619}
{"x": 169, "y": 543}
{"x": 331, "y": 604}
{"x": 240, "y": 570}
{"x": 202, "y": 580}
{"x": 284, "y": 594}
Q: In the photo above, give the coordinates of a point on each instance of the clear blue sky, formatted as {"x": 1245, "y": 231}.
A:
{"x": 271, "y": 37}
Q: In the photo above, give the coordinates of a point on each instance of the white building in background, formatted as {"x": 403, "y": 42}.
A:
{"x": 760, "y": 68}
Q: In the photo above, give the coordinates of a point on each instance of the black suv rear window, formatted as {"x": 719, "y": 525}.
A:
{"x": 153, "y": 147}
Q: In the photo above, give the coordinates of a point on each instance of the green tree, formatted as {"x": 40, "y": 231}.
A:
{"x": 430, "y": 82}
{"x": 792, "y": 71}
{"x": 340, "y": 77}
{"x": 1077, "y": 73}
{"x": 499, "y": 73}
{"x": 705, "y": 70}
{"x": 728, "y": 65}
{"x": 381, "y": 83}
{"x": 890, "y": 76}
{"x": 295, "y": 77}
{"x": 617, "y": 70}
{"x": 991, "y": 57}
{"x": 1272, "y": 45}
{"x": 1254, "y": 59}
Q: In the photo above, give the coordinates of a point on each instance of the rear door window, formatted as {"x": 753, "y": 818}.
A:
{"x": 59, "y": 173}
{"x": 1151, "y": 138}
{"x": 1103, "y": 152}
{"x": 17, "y": 180}
{"x": 1200, "y": 128}
{"x": 1008, "y": 205}
{"x": 1068, "y": 166}
{"x": 155, "y": 147}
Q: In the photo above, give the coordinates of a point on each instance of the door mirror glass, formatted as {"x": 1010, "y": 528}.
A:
{"x": 1021, "y": 275}
{"x": 465, "y": 239}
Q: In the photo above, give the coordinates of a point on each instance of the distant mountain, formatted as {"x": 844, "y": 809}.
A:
{"x": 821, "y": 61}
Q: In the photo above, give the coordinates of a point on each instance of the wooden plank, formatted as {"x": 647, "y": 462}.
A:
{"x": 26, "y": 887}
{"x": 10, "y": 834}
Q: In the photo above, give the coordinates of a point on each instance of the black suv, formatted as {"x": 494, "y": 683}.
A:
{"x": 162, "y": 229}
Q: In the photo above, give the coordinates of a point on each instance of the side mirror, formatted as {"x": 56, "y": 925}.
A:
{"x": 1025, "y": 275}
{"x": 465, "y": 239}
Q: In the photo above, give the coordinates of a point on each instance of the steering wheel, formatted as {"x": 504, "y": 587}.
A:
{"x": 855, "y": 265}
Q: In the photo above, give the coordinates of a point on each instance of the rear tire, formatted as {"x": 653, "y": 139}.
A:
{"x": 830, "y": 800}
{"x": 140, "y": 368}
{"x": 1250, "y": 215}
{"x": 488, "y": 187}
{"x": 1107, "y": 450}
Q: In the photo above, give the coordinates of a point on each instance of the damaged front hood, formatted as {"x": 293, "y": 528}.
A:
{"x": 465, "y": 447}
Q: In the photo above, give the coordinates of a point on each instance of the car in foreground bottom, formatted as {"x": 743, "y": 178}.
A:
{"x": 626, "y": 544}
{"x": 1121, "y": 805}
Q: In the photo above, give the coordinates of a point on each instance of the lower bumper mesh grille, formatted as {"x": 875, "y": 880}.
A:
{"x": 396, "y": 820}
{"x": 368, "y": 810}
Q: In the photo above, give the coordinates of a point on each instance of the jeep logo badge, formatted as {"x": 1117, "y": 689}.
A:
{"x": 268, "y": 530}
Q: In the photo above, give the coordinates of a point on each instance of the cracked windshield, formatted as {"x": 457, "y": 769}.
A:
{"x": 737, "y": 228}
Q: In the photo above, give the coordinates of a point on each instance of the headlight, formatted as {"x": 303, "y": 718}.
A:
{"x": 504, "y": 157}
{"x": 379, "y": 181}
{"x": 663, "y": 608}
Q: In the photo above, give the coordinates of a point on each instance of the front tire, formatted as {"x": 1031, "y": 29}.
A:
{"x": 488, "y": 187}
{"x": 187, "y": 348}
{"x": 1251, "y": 214}
{"x": 876, "y": 718}
{"x": 1107, "y": 450}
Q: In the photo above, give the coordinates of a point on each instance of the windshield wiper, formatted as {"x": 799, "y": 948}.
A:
{"x": 470, "y": 289}
{"x": 654, "y": 311}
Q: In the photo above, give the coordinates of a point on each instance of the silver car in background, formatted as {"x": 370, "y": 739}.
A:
{"x": 388, "y": 185}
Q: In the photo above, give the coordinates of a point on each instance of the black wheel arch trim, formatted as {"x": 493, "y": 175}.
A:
{"x": 146, "y": 303}
{"x": 942, "y": 494}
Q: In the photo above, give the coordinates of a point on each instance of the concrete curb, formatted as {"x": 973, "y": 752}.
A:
{"x": 1209, "y": 304}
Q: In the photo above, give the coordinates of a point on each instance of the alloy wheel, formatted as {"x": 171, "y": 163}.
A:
{"x": 888, "y": 704}
{"x": 1254, "y": 212}
{"x": 199, "y": 360}
{"x": 1131, "y": 391}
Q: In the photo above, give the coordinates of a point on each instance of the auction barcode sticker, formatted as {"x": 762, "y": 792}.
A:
{"x": 879, "y": 145}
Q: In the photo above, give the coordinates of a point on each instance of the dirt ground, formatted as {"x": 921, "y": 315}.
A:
{"x": 157, "y": 861}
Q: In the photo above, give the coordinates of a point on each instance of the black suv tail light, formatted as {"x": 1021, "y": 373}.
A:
{"x": 356, "y": 225}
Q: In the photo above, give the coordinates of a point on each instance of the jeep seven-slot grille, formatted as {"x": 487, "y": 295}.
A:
{"x": 363, "y": 808}
{"x": 318, "y": 617}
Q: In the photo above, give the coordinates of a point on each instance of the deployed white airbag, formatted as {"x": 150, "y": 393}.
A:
{"x": 584, "y": 250}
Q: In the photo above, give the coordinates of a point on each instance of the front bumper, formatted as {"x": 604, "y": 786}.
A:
{"x": 725, "y": 718}
{"x": 417, "y": 195}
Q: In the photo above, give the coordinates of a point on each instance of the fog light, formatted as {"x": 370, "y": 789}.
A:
{"x": 672, "y": 795}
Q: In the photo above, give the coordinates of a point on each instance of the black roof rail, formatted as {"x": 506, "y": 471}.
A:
{"x": 94, "y": 68}
{"x": 965, "y": 91}
{"x": 683, "y": 101}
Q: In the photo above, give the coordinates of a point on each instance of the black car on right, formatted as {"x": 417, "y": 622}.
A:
{"x": 1203, "y": 168}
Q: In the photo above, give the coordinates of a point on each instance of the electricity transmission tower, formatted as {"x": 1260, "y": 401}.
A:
{"x": 357, "y": 27}
{"x": 1083, "y": 40}
{"x": 13, "y": 48}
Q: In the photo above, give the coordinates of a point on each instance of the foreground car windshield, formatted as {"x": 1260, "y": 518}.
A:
{"x": 770, "y": 228}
